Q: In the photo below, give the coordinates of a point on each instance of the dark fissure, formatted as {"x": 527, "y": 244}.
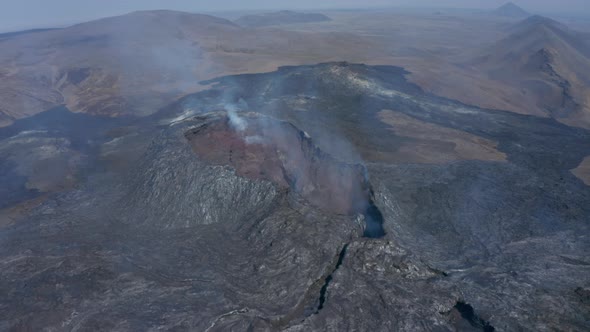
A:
{"x": 324, "y": 289}
{"x": 468, "y": 313}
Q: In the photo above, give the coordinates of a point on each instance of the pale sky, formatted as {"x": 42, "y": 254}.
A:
{"x": 24, "y": 14}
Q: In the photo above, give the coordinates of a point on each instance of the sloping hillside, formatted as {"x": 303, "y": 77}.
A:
{"x": 548, "y": 63}
{"x": 510, "y": 10}
{"x": 136, "y": 63}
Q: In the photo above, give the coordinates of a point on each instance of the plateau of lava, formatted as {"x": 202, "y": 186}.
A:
{"x": 260, "y": 147}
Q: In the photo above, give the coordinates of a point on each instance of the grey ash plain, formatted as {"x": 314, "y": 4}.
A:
{"x": 164, "y": 240}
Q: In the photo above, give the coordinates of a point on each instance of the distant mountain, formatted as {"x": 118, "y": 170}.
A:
{"x": 281, "y": 17}
{"x": 537, "y": 22}
{"x": 134, "y": 64}
{"x": 511, "y": 10}
{"x": 547, "y": 62}
{"x": 111, "y": 66}
{"x": 24, "y": 32}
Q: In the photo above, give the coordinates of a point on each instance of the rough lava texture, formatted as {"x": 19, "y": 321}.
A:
{"x": 183, "y": 238}
{"x": 278, "y": 152}
{"x": 202, "y": 194}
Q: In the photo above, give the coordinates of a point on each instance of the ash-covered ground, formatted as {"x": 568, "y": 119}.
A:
{"x": 297, "y": 200}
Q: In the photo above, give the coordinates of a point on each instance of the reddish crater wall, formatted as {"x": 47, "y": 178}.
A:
{"x": 277, "y": 151}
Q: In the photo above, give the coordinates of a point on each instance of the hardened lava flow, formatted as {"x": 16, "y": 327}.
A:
{"x": 260, "y": 147}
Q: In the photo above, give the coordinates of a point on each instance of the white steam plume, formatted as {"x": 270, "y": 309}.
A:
{"x": 234, "y": 119}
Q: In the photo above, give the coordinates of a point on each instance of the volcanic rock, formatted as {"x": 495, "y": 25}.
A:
{"x": 279, "y": 152}
{"x": 185, "y": 239}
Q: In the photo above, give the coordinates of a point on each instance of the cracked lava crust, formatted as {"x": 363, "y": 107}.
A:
{"x": 273, "y": 150}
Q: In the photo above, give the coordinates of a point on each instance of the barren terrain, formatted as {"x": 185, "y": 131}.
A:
{"x": 583, "y": 171}
{"x": 383, "y": 171}
{"x": 85, "y": 68}
{"x": 437, "y": 144}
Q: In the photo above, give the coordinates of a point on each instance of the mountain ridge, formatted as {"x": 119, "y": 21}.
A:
{"x": 544, "y": 58}
{"x": 134, "y": 64}
{"x": 510, "y": 9}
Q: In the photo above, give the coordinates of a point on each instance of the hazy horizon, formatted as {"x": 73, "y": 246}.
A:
{"x": 28, "y": 14}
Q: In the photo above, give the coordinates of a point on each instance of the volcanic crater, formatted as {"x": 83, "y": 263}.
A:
{"x": 263, "y": 148}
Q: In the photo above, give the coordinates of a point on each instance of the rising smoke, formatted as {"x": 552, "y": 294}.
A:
{"x": 234, "y": 119}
